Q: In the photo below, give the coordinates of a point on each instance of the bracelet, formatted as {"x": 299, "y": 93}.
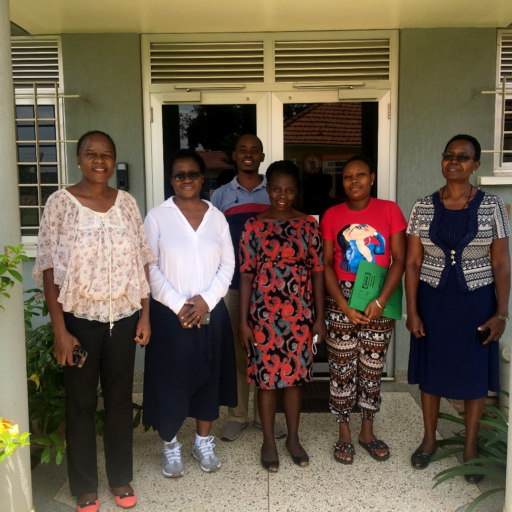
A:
{"x": 377, "y": 302}
{"x": 501, "y": 317}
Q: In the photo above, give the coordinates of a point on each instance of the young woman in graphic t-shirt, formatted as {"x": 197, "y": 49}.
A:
{"x": 362, "y": 229}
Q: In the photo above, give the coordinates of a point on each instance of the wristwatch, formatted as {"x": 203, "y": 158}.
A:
{"x": 501, "y": 317}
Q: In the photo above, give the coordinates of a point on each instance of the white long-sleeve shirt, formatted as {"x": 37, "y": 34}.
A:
{"x": 189, "y": 262}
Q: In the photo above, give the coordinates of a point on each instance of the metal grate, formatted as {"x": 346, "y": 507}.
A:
{"x": 365, "y": 59}
{"x": 505, "y": 62}
{"x": 207, "y": 62}
{"x": 35, "y": 60}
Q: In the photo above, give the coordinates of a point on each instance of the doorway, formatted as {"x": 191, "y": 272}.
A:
{"x": 318, "y": 130}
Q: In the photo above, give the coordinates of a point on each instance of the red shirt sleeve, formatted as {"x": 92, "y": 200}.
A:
{"x": 326, "y": 225}
{"x": 397, "y": 219}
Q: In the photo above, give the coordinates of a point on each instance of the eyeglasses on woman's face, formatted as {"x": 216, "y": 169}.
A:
{"x": 461, "y": 159}
{"x": 182, "y": 176}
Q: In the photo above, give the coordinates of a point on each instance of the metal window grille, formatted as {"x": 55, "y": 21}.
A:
{"x": 41, "y": 150}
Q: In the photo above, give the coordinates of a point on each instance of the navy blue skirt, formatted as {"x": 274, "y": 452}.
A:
{"x": 187, "y": 372}
{"x": 450, "y": 361}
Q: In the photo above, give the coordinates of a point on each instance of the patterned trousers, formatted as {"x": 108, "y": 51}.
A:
{"x": 356, "y": 355}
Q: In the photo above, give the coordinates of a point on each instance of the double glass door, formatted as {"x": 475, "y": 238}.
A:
{"x": 318, "y": 130}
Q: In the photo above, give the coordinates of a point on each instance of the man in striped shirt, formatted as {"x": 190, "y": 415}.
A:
{"x": 244, "y": 197}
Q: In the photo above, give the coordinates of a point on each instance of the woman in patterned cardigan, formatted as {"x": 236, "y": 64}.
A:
{"x": 457, "y": 296}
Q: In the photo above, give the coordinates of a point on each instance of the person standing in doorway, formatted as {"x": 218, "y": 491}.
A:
{"x": 243, "y": 198}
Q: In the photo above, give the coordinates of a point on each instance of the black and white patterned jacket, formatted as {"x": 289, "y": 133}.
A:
{"x": 487, "y": 221}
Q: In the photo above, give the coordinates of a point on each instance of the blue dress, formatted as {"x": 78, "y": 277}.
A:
{"x": 449, "y": 360}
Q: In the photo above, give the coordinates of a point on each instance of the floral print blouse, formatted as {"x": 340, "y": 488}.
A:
{"x": 97, "y": 258}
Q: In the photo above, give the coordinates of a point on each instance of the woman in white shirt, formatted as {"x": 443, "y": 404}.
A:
{"x": 190, "y": 368}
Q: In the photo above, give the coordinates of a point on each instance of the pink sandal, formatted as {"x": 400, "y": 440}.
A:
{"x": 125, "y": 500}
{"x": 90, "y": 506}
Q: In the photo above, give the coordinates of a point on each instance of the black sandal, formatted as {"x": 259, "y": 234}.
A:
{"x": 268, "y": 465}
{"x": 344, "y": 448}
{"x": 299, "y": 459}
{"x": 373, "y": 446}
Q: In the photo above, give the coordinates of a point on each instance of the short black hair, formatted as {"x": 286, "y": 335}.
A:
{"x": 250, "y": 135}
{"x": 362, "y": 158}
{"x": 185, "y": 153}
{"x": 470, "y": 139}
{"x": 91, "y": 134}
{"x": 283, "y": 167}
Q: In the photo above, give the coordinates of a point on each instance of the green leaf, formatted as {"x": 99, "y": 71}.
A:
{"x": 497, "y": 439}
{"x": 46, "y": 456}
{"x": 495, "y": 424}
{"x": 56, "y": 440}
{"x": 16, "y": 275}
{"x": 497, "y": 412}
{"x": 482, "y": 497}
{"x": 41, "y": 440}
{"x": 487, "y": 460}
{"x": 445, "y": 453}
{"x": 24, "y": 436}
{"x": 465, "y": 470}
{"x": 59, "y": 455}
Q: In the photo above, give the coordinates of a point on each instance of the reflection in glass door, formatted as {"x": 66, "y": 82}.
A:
{"x": 211, "y": 130}
{"x": 320, "y": 138}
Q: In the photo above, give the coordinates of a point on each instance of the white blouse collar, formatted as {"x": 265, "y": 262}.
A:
{"x": 169, "y": 203}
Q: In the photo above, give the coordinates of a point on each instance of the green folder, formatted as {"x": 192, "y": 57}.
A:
{"x": 367, "y": 287}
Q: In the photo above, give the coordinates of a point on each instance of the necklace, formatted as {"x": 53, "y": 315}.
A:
{"x": 441, "y": 196}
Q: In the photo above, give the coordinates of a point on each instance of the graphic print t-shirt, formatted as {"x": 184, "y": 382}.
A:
{"x": 361, "y": 235}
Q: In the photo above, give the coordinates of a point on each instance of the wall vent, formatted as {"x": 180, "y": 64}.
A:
{"x": 207, "y": 62}
{"x": 505, "y": 62}
{"x": 35, "y": 60}
{"x": 317, "y": 61}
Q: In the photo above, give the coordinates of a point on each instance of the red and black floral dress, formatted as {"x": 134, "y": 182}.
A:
{"x": 283, "y": 255}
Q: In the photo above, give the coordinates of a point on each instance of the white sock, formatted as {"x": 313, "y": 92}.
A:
{"x": 198, "y": 440}
{"x": 167, "y": 443}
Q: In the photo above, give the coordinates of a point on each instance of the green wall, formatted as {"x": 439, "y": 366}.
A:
{"x": 106, "y": 70}
{"x": 441, "y": 73}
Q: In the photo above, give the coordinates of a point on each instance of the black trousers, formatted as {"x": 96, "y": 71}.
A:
{"x": 110, "y": 361}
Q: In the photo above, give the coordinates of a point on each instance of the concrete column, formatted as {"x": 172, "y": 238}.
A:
{"x": 15, "y": 478}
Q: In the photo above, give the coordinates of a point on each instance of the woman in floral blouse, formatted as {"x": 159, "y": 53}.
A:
{"x": 92, "y": 259}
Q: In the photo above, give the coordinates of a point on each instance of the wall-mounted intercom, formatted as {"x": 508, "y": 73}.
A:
{"x": 122, "y": 176}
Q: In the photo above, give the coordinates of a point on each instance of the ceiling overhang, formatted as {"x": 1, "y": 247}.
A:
{"x": 193, "y": 16}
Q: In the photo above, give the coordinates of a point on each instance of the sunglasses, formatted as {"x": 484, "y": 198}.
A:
{"x": 182, "y": 176}
{"x": 462, "y": 159}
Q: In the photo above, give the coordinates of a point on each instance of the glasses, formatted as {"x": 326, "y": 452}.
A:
{"x": 182, "y": 176}
{"x": 462, "y": 159}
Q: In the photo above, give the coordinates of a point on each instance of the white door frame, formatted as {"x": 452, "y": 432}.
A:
{"x": 154, "y": 156}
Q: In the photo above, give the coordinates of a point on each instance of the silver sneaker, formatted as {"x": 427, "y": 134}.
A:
{"x": 172, "y": 466}
{"x": 206, "y": 456}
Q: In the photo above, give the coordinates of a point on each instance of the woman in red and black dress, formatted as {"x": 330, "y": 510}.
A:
{"x": 281, "y": 306}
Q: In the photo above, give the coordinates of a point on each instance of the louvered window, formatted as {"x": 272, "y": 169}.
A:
{"x": 208, "y": 62}
{"x": 35, "y": 60}
{"x": 504, "y": 102}
{"x": 505, "y": 57}
{"x": 312, "y": 61}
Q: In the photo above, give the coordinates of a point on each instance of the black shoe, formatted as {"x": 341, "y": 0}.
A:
{"x": 270, "y": 466}
{"x": 420, "y": 459}
{"x": 474, "y": 478}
